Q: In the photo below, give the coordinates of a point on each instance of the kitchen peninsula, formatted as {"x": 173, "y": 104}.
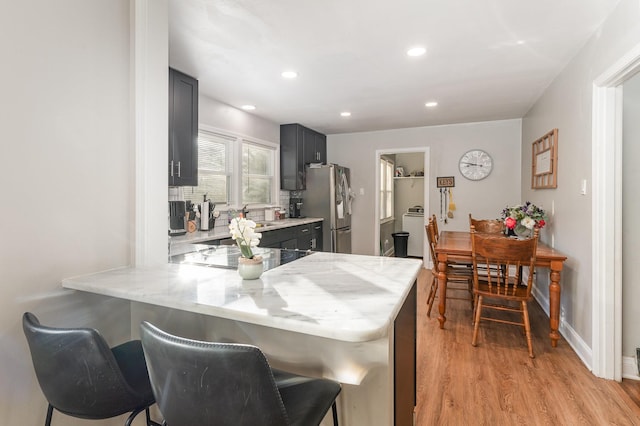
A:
{"x": 350, "y": 318}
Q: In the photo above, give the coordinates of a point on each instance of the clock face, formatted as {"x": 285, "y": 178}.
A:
{"x": 475, "y": 164}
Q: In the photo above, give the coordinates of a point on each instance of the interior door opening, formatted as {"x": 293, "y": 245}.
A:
{"x": 395, "y": 195}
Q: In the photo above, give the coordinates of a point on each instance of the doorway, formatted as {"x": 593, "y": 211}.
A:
{"x": 607, "y": 178}
{"x": 410, "y": 185}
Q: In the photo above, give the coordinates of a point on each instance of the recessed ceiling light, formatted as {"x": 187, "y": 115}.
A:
{"x": 289, "y": 74}
{"x": 248, "y": 107}
{"x": 416, "y": 51}
{"x": 345, "y": 114}
{"x": 520, "y": 42}
{"x": 431, "y": 104}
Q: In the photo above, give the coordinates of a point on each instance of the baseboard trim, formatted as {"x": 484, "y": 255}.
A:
{"x": 574, "y": 340}
{"x": 630, "y": 368}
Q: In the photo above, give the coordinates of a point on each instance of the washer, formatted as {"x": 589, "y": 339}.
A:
{"x": 413, "y": 223}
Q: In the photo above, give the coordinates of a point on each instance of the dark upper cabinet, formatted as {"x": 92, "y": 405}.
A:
{"x": 314, "y": 146}
{"x": 299, "y": 146}
{"x": 183, "y": 129}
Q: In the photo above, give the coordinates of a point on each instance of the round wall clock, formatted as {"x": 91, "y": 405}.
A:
{"x": 475, "y": 164}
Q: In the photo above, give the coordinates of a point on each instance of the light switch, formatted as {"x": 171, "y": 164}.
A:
{"x": 361, "y": 191}
{"x": 583, "y": 187}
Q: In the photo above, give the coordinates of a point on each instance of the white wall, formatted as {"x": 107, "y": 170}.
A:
{"x": 67, "y": 154}
{"x": 485, "y": 199}
{"x": 630, "y": 209}
{"x": 222, "y": 116}
{"x": 567, "y": 105}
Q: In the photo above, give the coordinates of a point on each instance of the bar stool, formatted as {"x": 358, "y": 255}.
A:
{"x": 226, "y": 384}
{"x": 82, "y": 377}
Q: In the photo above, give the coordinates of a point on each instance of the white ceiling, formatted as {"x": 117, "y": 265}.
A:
{"x": 485, "y": 60}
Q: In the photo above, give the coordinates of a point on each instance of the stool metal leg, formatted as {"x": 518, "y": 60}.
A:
{"x": 334, "y": 410}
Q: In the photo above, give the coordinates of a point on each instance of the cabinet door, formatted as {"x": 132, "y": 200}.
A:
{"x": 321, "y": 148}
{"x": 289, "y": 244}
{"x": 315, "y": 147}
{"x": 305, "y": 237}
{"x": 316, "y": 236}
{"x": 309, "y": 146}
{"x": 291, "y": 157}
{"x": 183, "y": 129}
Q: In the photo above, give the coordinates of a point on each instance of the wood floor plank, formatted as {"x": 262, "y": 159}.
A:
{"x": 496, "y": 383}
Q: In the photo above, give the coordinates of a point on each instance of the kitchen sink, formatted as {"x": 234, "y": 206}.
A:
{"x": 265, "y": 224}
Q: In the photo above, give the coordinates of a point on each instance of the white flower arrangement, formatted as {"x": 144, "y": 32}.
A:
{"x": 243, "y": 231}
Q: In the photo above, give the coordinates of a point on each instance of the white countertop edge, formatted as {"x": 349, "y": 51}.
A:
{"x": 280, "y": 280}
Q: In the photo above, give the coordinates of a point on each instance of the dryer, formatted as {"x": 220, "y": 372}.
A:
{"x": 413, "y": 223}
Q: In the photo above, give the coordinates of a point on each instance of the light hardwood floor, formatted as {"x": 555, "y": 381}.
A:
{"x": 496, "y": 383}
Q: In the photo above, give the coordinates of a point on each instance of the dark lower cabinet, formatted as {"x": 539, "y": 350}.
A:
{"x": 316, "y": 236}
{"x": 301, "y": 237}
{"x": 183, "y": 129}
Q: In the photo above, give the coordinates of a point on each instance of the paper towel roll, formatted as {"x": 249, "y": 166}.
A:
{"x": 204, "y": 216}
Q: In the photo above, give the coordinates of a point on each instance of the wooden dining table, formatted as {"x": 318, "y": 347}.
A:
{"x": 457, "y": 245}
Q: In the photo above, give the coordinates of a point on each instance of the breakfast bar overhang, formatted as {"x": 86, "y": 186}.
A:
{"x": 349, "y": 318}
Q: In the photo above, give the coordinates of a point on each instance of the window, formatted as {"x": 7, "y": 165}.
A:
{"x": 214, "y": 171}
{"x": 233, "y": 171}
{"x": 257, "y": 173}
{"x": 386, "y": 189}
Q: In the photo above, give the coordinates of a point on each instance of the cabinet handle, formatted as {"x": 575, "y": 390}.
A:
{"x": 179, "y": 169}
{"x": 313, "y": 243}
{"x": 304, "y": 230}
{"x": 171, "y": 167}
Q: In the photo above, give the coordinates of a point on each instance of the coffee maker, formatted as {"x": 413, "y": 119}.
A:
{"x": 295, "y": 207}
{"x": 177, "y": 210}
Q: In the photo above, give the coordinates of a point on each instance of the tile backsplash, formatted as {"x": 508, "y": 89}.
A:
{"x": 222, "y": 222}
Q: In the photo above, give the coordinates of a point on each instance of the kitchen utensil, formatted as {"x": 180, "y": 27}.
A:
{"x": 443, "y": 203}
{"x": 452, "y": 205}
{"x": 449, "y": 212}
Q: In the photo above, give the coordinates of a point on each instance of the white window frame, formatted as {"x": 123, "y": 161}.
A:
{"x": 234, "y": 157}
{"x": 228, "y": 172}
{"x": 386, "y": 179}
{"x": 272, "y": 154}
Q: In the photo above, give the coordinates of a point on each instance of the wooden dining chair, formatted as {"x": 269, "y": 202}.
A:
{"x": 488, "y": 226}
{"x": 507, "y": 259}
{"x": 434, "y": 219}
{"x": 456, "y": 273}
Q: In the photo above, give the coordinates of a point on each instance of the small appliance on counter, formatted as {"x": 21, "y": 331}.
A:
{"x": 270, "y": 213}
{"x": 295, "y": 207}
{"x": 177, "y": 218}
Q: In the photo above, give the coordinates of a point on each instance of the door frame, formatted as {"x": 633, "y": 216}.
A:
{"x": 606, "y": 251}
{"x": 427, "y": 180}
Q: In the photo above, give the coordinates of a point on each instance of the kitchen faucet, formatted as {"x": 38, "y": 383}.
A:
{"x": 245, "y": 212}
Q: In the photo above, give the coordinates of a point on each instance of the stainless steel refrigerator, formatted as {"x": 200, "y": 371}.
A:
{"x": 328, "y": 195}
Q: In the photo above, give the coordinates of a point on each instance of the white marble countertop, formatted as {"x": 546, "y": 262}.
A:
{"x": 222, "y": 233}
{"x": 346, "y": 297}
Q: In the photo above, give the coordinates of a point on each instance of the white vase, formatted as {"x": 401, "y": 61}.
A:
{"x": 522, "y": 231}
{"x": 250, "y": 269}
